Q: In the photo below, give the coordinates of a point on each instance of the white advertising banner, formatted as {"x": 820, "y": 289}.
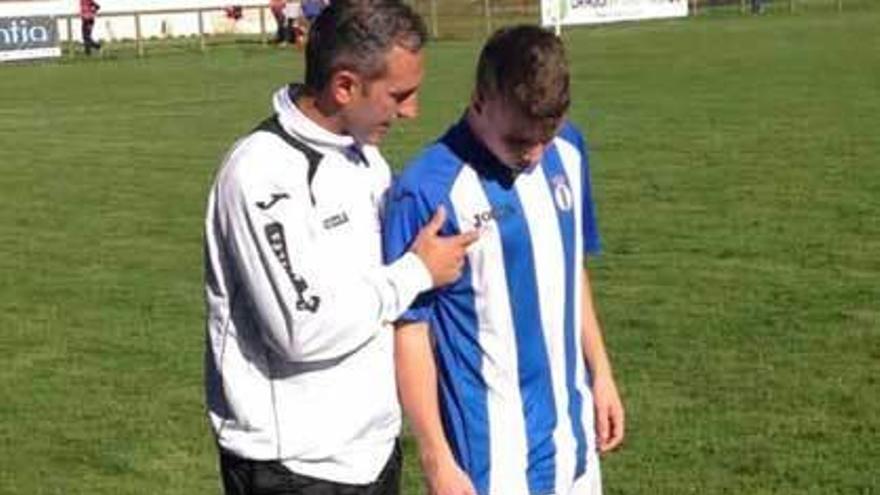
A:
{"x": 568, "y": 12}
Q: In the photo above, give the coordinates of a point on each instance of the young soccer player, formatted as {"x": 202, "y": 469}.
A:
{"x": 504, "y": 374}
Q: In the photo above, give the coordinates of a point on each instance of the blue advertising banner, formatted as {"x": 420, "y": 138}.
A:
{"x": 28, "y": 37}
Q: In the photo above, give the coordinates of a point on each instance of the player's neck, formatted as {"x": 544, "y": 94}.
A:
{"x": 479, "y": 127}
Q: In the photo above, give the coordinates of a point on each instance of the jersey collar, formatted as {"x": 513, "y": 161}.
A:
{"x": 469, "y": 149}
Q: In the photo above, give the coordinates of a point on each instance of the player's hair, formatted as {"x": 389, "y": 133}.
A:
{"x": 356, "y": 35}
{"x": 526, "y": 66}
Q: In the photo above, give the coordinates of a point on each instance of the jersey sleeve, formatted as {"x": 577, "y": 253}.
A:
{"x": 305, "y": 306}
{"x": 406, "y": 212}
{"x": 589, "y": 227}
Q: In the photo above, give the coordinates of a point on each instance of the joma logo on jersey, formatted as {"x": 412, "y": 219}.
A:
{"x": 335, "y": 220}
{"x": 265, "y": 205}
{"x": 495, "y": 214}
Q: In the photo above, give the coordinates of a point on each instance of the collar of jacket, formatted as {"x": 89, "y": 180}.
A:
{"x": 298, "y": 124}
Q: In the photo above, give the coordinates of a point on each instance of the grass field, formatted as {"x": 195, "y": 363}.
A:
{"x": 736, "y": 167}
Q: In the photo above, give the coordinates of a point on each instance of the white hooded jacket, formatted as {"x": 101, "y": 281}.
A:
{"x": 299, "y": 359}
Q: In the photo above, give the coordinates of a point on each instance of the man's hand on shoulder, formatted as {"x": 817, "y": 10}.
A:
{"x": 442, "y": 256}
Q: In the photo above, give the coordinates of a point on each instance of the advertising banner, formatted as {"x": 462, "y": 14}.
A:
{"x": 569, "y": 12}
{"x": 23, "y": 38}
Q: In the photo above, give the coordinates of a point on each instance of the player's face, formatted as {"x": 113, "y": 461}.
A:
{"x": 392, "y": 96}
{"x": 515, "y": 139}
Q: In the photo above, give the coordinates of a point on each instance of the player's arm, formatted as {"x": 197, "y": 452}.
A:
{"x": 609, "y": 412}
{"x": 308, "y": 308}
{"x": 417, "y": 386}
{"x": 407, "y": 210}
{"x": 610, "y": 417}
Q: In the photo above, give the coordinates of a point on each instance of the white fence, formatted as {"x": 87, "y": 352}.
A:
{"x": 134, "y": 19}
{"x": 141, "y": 20}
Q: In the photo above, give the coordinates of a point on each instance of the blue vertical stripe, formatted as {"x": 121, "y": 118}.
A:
{"x": 535, "y": 381}
{"x": 556, "y": 176}
{"x": 592, "y": 241}
{"x": 450, "y": 311}
{"x": 463, "y": 392}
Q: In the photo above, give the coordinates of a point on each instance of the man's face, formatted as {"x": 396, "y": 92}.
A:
{"x": 383, "y": 100}
{"x": 515, "y": 139}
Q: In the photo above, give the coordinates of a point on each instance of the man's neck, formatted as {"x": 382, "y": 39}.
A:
{"x": 320, "y": 111}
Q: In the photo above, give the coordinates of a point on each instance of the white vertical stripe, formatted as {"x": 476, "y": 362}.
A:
{"x": 508, "y": 447}
{"x": 591, "y": 481}
{"x": 571, "y": 160}
{"x": 549, "y": 258}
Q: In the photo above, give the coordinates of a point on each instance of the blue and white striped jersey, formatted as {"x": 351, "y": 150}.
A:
{"x": 514, "y": 389}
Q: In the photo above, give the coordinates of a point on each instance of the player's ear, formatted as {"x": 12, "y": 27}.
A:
{"x": 477, "y": 101}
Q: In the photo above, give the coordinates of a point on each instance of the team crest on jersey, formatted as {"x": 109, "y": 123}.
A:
{"x": 562, "y": 193}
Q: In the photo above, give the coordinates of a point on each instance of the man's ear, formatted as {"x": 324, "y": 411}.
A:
{"x": 344, "y": 85}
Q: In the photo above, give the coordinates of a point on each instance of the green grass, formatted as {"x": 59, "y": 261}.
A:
{"x": 735, "y": 166}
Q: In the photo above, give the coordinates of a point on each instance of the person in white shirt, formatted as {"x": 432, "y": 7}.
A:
{"x": 299, "y": 369}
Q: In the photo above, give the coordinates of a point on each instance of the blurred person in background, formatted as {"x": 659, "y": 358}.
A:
{"x": 234, "y": 12}
{"x": 757, "y": 6}
{"x": 277, "y": 9}
{"x": 293, "y": 17}
{"x": 311, "y": 9}
{"x": 88, "y": 10}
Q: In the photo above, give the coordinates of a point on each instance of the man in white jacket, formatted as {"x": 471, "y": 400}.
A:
{"x": 299, "y": 361}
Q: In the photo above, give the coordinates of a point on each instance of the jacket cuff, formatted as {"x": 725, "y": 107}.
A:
{"x": 410, "y": 277}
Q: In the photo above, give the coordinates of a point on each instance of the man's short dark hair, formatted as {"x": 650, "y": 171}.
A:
{"x": 356, "y": 35}
{"x": 526, "y": 66}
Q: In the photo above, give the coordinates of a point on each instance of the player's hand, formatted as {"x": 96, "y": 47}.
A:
{"x": 443, "y": 256}
{"x": 446, "y": 478}
{"x": 610, "y": 416}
